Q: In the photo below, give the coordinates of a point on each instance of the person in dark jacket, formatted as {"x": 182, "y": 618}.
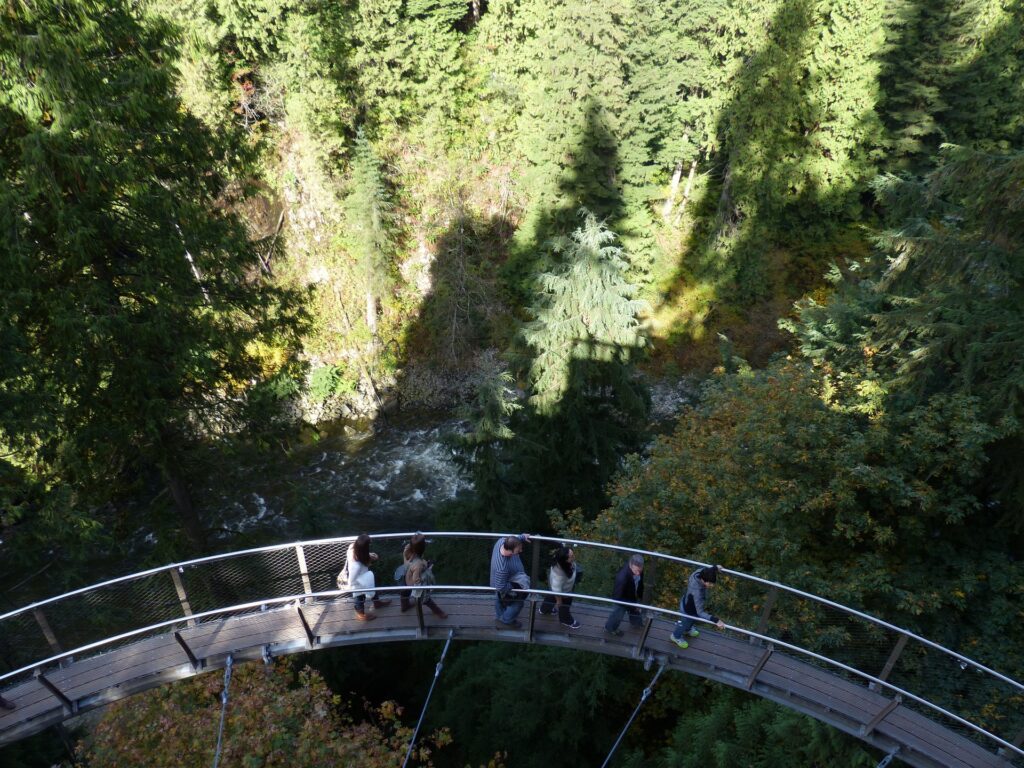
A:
{"x": 629, "y": 588}
{"x": 694, "y": 603}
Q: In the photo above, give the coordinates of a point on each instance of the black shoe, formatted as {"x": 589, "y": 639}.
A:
{"x": 616, "y": 632}
{"x": 570, "y": 625}
{"x": 512, "y": 625}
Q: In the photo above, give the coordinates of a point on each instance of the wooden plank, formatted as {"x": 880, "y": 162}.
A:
{"x": 716, "y": 656}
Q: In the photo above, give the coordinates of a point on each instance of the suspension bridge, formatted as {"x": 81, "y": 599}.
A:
{"x": 911, "y": 698}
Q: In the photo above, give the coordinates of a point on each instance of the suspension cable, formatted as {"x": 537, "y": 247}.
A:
{"x": 888, "y": 758}
{"x": 646, "y": 694}
{"x": 437, "y": 674}
{"x": 223, "y": 708}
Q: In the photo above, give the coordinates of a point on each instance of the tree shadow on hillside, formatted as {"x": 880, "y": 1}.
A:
{"x": 781, "y": 204}
{"x": 588, "y": 179}
{"x": 461, "y": 315}
{"x": 560, "y": 455}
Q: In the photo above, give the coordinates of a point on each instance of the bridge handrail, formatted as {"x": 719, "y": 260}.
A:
{"x": 180, "y": 567}
{"x": 801, "y": 593}
{"x": 493, "y": 536}
{"x": 451, "y": 588}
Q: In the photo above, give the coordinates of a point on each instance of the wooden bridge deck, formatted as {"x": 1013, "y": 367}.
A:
{"x": 854, "y": 708}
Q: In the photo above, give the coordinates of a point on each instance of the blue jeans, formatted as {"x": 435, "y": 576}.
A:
{"x": 506, "y": 612}
{"x": 616, "y": 617}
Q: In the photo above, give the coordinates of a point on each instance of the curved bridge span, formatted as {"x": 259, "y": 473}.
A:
{"x": 889, "y": 687}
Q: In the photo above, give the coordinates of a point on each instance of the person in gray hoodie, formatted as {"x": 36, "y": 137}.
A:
{"x": 694, "y": 603}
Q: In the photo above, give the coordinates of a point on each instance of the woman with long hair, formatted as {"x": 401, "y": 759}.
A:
{"x": 562, "y": 577}
{"x": 356, "y": 575}
{"x": 417, "y": 574}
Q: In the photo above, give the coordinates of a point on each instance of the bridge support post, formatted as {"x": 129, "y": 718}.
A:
{"x": 44, "y": 625}
{"x": 57, "y": 693}
{"x": 300, "y": 555}
{"x": 533, "y": 618}
{"x": 179, "y": 587}
{"x": 196, "y": 663}
{"x": 639, "y": 650}
{"x": 883, "y": 713}
{"x": 752, "y": 678}
{"x": 890, "y": 662}
{"x": 535, "y": 565}
{"x": 310, "y": 637}
{"x": 762, "y": 622}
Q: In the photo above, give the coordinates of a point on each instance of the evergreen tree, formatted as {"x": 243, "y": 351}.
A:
{"x": 586, "y": 405}
{"x": 130, "y": 305}
{"x": 564, "y": 61}
{"x": 941, "y": 312}
{"x": 383, "y": 62}
{"x": 369, "y": 226}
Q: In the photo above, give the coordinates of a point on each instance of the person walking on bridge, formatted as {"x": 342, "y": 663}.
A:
{"x": 562, "y": 577}
{"x": 694, "y": 603}
{"x": 506, "y": 568}
{"x": 629, "y": 588}
{"x": 418, "y": 574}
{"x": 357, "y": 577}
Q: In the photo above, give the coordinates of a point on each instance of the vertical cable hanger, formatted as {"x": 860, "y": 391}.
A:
{"x": 646, "y": 695}
{"x": 437, "y": 674}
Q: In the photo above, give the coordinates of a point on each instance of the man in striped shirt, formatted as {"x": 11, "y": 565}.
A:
{"x": 505, "y": 564}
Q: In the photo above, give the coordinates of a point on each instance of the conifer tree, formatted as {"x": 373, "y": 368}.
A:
{"x": 586, "y": 405}
{"x": 941, "y": 311}
{"x": 129, "y": 300}
{"x": 369, "y": 226}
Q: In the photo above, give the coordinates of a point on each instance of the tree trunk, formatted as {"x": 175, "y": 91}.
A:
{"x": 183, "y": 503}
{"x": 371, "y": 313}
{"x": 677, "y": 174}
{"x": 476, "y": 11}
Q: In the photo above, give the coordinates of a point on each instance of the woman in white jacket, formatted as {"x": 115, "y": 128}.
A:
{"x": 562, "y": 579}
{"x": 356, "y": 576}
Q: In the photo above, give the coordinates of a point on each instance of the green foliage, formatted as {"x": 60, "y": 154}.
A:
{"x": 761, "y": 734}
{"x": 587, "y": 407}
{"x": 952, "y": 73}
{"x": 277, "y": 716}
{"x": 559, "y": 701}
{"x": 369, "y": 233}
{"x": 941, "y": 312}
{"x": 131, "y": 313}
{"x": 329, "y": 381}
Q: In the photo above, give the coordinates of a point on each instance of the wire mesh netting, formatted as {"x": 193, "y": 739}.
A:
{"x": 243, "y": 582}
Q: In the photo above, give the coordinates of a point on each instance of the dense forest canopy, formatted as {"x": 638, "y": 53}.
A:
{"x": 221, "y": 220}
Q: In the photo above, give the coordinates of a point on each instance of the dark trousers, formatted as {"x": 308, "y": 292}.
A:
{"x": 564, "y": 614}
{"x": 616, "y": 617}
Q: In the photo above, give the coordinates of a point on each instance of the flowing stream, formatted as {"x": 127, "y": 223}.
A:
{"x": 379, "y": 477}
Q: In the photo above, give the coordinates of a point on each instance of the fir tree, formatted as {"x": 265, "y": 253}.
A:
{"x": 369, "y": 226}
{"x": 586, "y": 405}
{"x": 128, "y": 291}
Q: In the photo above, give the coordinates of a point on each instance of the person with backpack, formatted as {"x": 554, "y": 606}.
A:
{"x": 694, "y": 603}
{"x": 417, "y": 573}
{"x": 357, "y": 577}
{"x": 562, "y": 577}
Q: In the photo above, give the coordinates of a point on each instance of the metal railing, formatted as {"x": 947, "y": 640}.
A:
{"x": 966, "y": 696}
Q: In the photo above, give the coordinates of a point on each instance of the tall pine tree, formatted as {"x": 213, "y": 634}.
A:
{"x": 131, "y": 306}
